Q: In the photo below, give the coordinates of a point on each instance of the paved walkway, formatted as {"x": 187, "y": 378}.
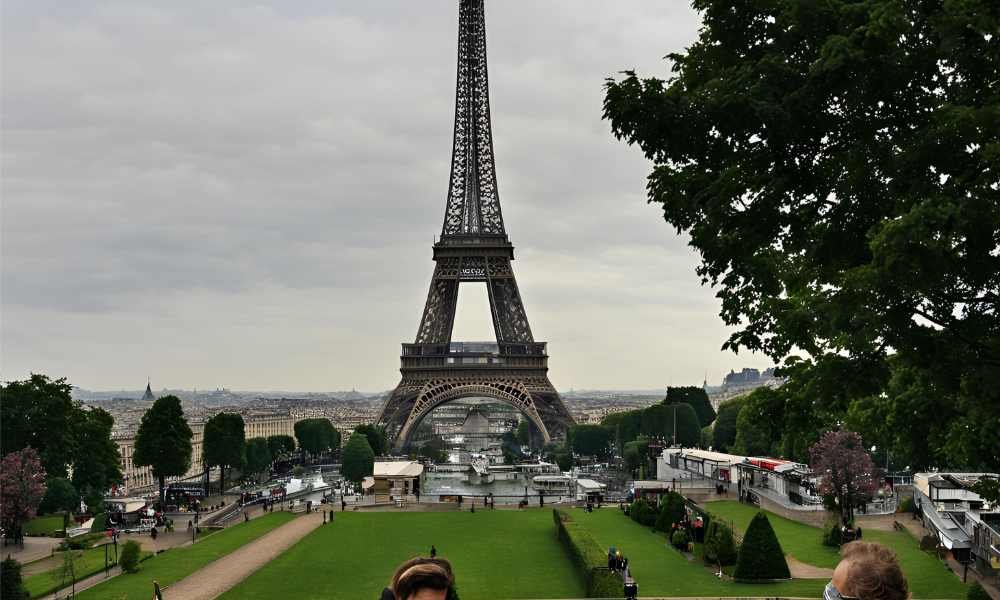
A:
{"x": 215, "y": 578}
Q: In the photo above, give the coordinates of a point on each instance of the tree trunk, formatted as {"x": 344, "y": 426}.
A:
{"x": 222, "y": 481}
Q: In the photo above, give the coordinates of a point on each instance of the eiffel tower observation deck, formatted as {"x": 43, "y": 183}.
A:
{"x": 474, "y": 247}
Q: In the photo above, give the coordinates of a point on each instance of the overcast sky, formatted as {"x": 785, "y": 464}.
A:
{"x": 245, "y": 194}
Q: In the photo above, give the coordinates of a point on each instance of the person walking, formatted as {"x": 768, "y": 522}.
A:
{"x": 434, "y": 551}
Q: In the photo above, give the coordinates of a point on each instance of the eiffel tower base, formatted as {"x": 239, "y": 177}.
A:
{"x": 420, "y": 393}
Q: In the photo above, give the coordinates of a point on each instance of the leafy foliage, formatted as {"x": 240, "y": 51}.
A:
{"x": 359, "y": 459}
{"x": 833, "y": 535}
{"x": 720, "y": 544}
{"x": 317, "y": 436}
{"x": 835, "y": 169}
{"x": 698, "y": 399}
{"x": 97, "y": 462}
{"x": 590, "y": 440}
{"x": 588, "y": 557}
{"x": 671, "y": 511}
{"x": 60, "y": 496}
{"x": 679, "y": 539}
{"x": 225, "y": 444}
{"x": 988, "y": 488}
{"x": 761, "y": 556}
{"x": 280, "y": 444}
{"x": 258, "y": 455}
{"x": 656, "y": 421}
{"x": 643, "y": 513}
{"x": 163, "y": 440}
{"x": 758, "y": 425}
{"x": 11, "y": 581}
{"x": 635, "y": 453}
{"x": 977, "y": 592}
{"x": 845, "y": 468}
{"x": 129, "y": 559}
{"x": 377, "y": 438}
{"x": 724, "y": 430}
{"x": 22, "y": 487}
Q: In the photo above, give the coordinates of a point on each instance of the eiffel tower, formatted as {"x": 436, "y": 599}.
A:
{"x": 474, "y": 248}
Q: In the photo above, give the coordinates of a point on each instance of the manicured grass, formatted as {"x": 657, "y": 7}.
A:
{"x": 177, "y": 563}
{"x": 495, "y": 554}
{"x": 660, "y": 570}
{"x": 927, "y": 576}
{"x": 44, "y": 525}
{"x": 86, "y": 563}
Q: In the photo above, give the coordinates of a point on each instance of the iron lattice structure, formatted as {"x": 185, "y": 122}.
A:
{"x": 473, "y": 248}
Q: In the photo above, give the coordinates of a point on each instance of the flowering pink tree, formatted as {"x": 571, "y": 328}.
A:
{"x": 847, "y": 471}
{"x": 22, "y": 485}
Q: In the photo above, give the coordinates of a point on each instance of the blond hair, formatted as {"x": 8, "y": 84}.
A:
{"x": 421, "y": 573}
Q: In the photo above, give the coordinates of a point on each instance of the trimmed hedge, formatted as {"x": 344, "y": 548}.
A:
{"x": 643, "y": 513}
{"x": 761, "y": 557}
{"x": 588, "y": 556}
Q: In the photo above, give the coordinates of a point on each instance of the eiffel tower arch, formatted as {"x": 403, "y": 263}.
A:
{"x": 473, "y": 247}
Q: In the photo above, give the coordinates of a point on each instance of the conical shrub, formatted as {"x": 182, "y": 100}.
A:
{"x": 761, "y": 556}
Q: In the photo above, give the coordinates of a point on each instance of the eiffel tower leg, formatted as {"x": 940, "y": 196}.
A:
{"x": 439, "y": 311}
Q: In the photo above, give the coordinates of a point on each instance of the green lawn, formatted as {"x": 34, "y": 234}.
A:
{"x": 495, "y": 554}
{"x": 928, "y": 577}
{"x": 660, "y": 570}
{"x": 86, "y": 563}
{"x": 44, "y": 525}
{"x": 177, "y": 563}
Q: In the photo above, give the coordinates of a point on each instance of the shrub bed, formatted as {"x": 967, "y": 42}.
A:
{"x": 588, "y": 556}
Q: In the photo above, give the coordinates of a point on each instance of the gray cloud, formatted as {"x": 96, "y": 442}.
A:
{"x": 222, "y": 195}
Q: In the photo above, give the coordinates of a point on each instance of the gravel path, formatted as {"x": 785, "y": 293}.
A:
{"x": 215, "y": 578}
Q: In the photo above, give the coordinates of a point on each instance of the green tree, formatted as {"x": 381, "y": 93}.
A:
{"x": 590, "y": 440}
{"x": 988, "y": 488}
{"x": 258, "y": 456}
{"x": 129, "y": 560}
{"x": 11, "y": 581}
{"x": 564, "y": 460}
{"x": 720, "y": 545}
{"x": 635, "y": 453}
{"x": 359, "y": 459}
{"x": 724, "y": 430}
{"x": 835, "y": 168}
{"x": 163, "y": 441}
{"x": 60, "y": 496}
{"x": 759, "y": 423}
{"x": 40, "y": 412}
{"x": 97, "y": 464}
{"x": 224, "y": 444}
{"x": 280, "y": 444}
{"x": 434, "y": 450}
{"x": 761, "y": 556}
{"x": 698, "y": 399}
{"x": 377, "y": 438}
{"x": 671, "y": 511}
{"x": 524, "y": 432}
{"x": 317, "y": 436}
{"x": 688, "y": 429}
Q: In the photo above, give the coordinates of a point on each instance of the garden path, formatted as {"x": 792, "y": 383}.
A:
{"x": 217, "y": 577}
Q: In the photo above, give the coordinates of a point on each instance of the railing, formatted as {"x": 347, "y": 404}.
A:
{"x": 454, "y": 349}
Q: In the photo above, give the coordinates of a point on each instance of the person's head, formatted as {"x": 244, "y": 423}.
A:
{"x": 423, "y": 579}
{"x": 867, "y": 571}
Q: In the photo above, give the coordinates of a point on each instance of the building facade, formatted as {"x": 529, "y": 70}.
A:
{"x": 138, "y": 479}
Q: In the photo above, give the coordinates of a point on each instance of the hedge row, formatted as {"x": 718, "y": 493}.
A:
{"x": 588, "y": 556}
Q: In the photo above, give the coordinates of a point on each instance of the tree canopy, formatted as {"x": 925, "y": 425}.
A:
{"x": 698, "y": 399}
{"x": 656, "y": 421}
{"x": 97, "y": 464}
{"x": 724, "y": 430}
{"x": 224, "y": 444}
{"x": 258, "y": 456}
{"x": 22, "y": 487}
{"x": 358, "y": 458}
{"x": 846, "y": 470}
{"x": 836, "y": 169}
{"x": 590, "y": 440}
{"x": 377, "y": 438}
{"x": 280, "y": 444}
{"x": 163, "y": 440}
{"x": 317, "y": 436}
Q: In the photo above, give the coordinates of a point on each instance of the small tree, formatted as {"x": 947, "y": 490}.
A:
{"x": 225, "y": 444}
{"x": 761, "y": 556}
{"x": 60, "y": 496}
{"x": 359, "y": 459}
{"x": 11, "y": 582}
{"x": 317, "y": 436}
{"x": 846, "y": 470}
{"x": 129, "y": 559}
{"x": 671, "y": 511}
{"x": 22, "y": 487}
{"x": 680, "y": 539}
{"x": 163, "y": 441}
{"x": 720, "y": 545}
{"x": 591, "y": 440}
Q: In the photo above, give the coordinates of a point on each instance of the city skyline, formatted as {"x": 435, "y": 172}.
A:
{"x": 261, "y": 218}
